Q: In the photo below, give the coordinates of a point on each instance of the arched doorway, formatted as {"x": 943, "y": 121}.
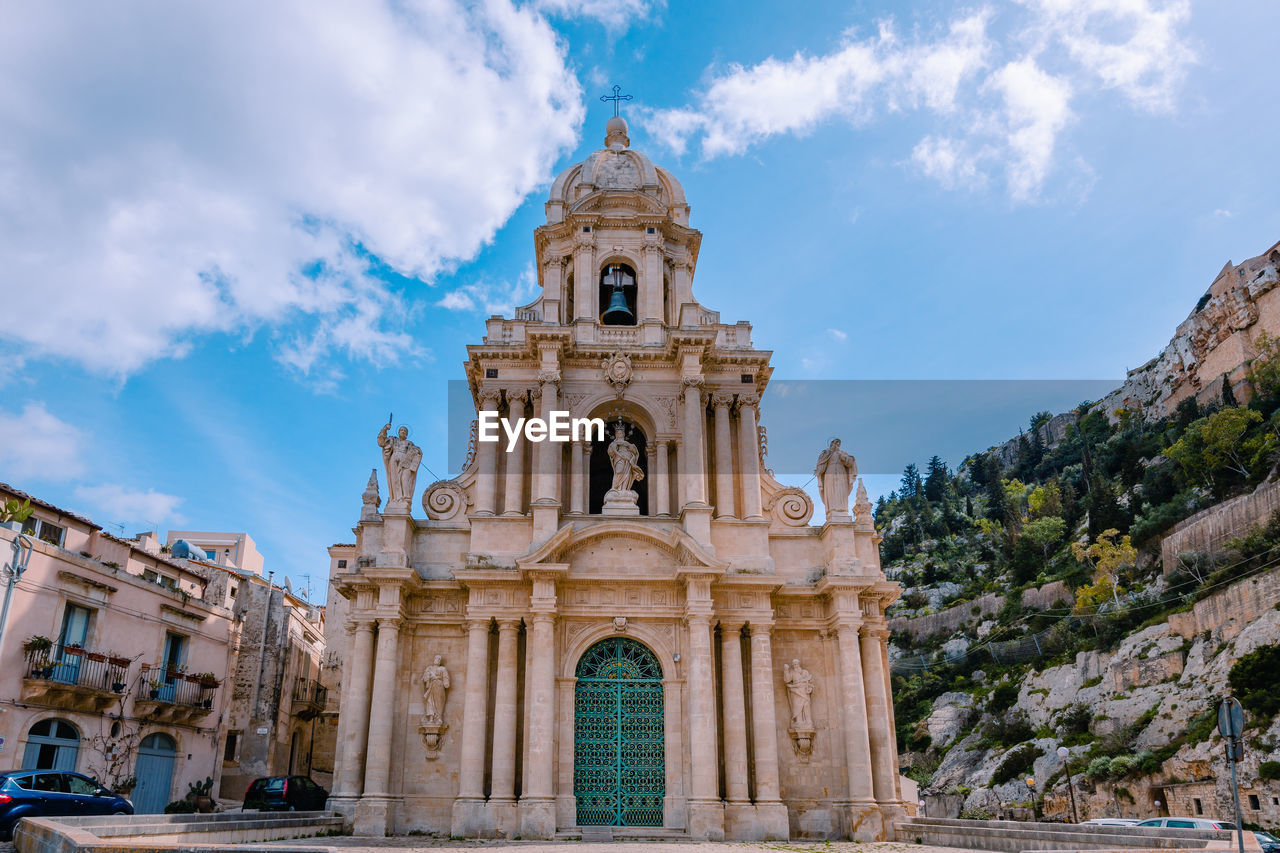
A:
{"x": 51, "y": 745}
{"x": 154, "y": 772}
{"x": 619, "y": 774}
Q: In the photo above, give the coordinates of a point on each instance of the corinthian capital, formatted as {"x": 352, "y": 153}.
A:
{"x": 692, "y": 381}
{"x": 489, "y": 398}
{"x": 721, "y": 399}
{"x": 746, "y": 401}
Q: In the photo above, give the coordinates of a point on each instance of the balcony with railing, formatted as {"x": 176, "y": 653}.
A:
{"x": 175, "y": 696}
{"x": 309, "y": 697}
{"x": 73, "y": 678}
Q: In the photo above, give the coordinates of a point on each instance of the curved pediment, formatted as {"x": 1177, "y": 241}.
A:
{"x": 615, "y": 544}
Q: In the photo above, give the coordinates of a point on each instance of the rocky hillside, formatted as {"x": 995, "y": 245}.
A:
{"x": 1039, "y": 614}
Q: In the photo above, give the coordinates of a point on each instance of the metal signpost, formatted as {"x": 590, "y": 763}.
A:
{"x": 1065, "y": 755}
{"x": 1231, "y": 725}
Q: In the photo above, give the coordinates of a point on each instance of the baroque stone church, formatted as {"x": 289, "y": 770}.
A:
{"x": 642, "y": 632}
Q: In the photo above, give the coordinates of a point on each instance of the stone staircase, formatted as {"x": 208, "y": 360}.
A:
{"x": 1009, "y": 836}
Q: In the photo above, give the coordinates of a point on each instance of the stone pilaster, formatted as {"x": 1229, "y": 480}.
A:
{"x": 662, "y": 474}
{"x": 865, "y": 822}
{"x": 695, "y": 512}
{"x": 738, "y": 813}
{"x": 771, "y": 815}
{"x": 513, "y": 497}
{"x": 545, "y": 504}
{"x": 374, "y": 811}
{"x": 720, "y": 403}
{"x": 749, "y": 455}
{"x": 503, "y": 780}
{"x": 355, "y": 711}
{"x": 884, "y": 769}
{"x": 487, "y": 461}
{"x": 468, "y": 811}
{"x": 537, "y": 803}
{"x": 706, "y": 810}
{"x": 577, "y": 476}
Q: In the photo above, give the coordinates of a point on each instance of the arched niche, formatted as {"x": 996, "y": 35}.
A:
{"x": 640, "y": 429}
{"x": 619, "y": 294}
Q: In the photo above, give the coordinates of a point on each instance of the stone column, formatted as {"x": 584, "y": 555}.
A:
{"x": 487, "y": 460}
{"x": 504, "y": 714}
{"x": 651, "y": 480}
{"x": 662, "y": 482}
{"x": 735, "y": 717}
{"x": 474, "y": 715}
{"x": 749, "y": 455}
{"x": 694, "y": 485}
{"x": 650, "y": 302}
{"x": 577, "y": 481}
{"x": 720, "y": 403}
{"x": 547, "y": 453}
{"x": 706, "y": 812}
{"x": 373, "y": 812}
{"x": 513, "y": 500}
{"x": 537, "y": 806}
{"x": 585, "y": 284}
{"x": 856, "y": 743}
{"x": 771, "y": 814}
{"x": 883, "y": 767}
{"x": 355, "y": 709}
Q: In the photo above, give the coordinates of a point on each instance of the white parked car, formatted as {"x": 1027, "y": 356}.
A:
{"x": 1186, "y": 823}
{"x": 1110, "y": 821}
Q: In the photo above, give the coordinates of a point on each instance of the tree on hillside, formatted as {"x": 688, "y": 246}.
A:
{"x": 1045, "y": 500}
{"x": 1264, "y": 370}
{"x": 936, "y": 479}
{"x": 1108, "y": 558}
{"x": 1222, "y": 445}
{"x": 911, "y": 483}
{"x": 1228, "y": 396}
{"x": 1252, "y": 681}
{"x": 1044, "y": 533}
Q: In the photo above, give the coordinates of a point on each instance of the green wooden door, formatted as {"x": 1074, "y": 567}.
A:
{"x": 618, "y": 768}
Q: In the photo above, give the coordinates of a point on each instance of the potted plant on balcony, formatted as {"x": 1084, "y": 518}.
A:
{"x": 36, "y": 643}
{"x": 198, "y": 794}
{"x": 117, "y": 659}
{"x": 73, "y": 649}
{"x": 175, "y": 670}
{"x": 155, "y": 688}
{"x": 191, "y": 678}
{"x": 207, "y": 679}
{"x": 97, "y": 657}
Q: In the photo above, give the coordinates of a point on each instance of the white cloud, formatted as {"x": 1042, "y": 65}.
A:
{"x": 37, "y": 445}
{"x": 178, "y": 170}
{"x": 122, "y": 505}
{"x": 1000, "y": 100}
{"x": 1223, "y": 213}
{"x": 616, "y": 15}
{"x": 493, "y": 297}
{"x": 838, "y": 335}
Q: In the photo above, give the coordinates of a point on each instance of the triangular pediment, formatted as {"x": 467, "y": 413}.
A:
{"x": 669, "y": 545}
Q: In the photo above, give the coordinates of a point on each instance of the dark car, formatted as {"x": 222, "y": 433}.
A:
{"x": 285, "y": 794}
{"x": 1268, "y": 842}
{"x": 50, "y": 793}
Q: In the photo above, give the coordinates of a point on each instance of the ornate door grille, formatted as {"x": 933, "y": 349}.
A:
{"x": 618, "y": 768}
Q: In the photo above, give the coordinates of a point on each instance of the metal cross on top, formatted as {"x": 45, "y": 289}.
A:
{"x": 615, "y": 97}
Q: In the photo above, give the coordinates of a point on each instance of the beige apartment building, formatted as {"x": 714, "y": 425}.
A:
{"x": 113, "y": 658}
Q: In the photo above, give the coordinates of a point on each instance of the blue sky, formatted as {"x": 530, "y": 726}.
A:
{"x": 234, "y": 238}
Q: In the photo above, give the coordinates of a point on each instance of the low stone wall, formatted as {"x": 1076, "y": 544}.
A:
{"x": 948, "y": 620}
{"x": 1229, "y": 610}
{"x": 107, "y": 834}
{"x": 1209, "y": 529}
{"x": 1010, "y": 836}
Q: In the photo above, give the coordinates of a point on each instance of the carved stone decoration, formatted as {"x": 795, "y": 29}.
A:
{"x": 435, "y": 692}
{"x": 371, "y": 499}
{"x": 668, "y": 406}
{"x": 620, "y": 624}
{"x": 790, "y": 507}
{"x": 624, "y": 457}
{"x": 445, "y": 500}
{"x": 836, "y": 472}
{"x": 401, "y": 458}
{"x": 618, "y": 372}
{"x": 800, "y": 696}
{"x": 473, "y": 436}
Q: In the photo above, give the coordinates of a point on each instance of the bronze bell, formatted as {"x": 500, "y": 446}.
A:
{"x": 618, "y": 314}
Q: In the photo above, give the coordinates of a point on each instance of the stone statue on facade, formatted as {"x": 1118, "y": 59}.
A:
{"x": 799, "y": 684}
{"x": 836, "y": 472}
{"x": 624, "y": 459}
{"x": 401, "y": 458}
{"x": 435, "y": 689}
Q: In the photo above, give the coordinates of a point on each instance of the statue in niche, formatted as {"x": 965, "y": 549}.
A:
{"x": 836, "y": 472}
{"x": 401, "y": 458}
{"x": 625, "y": 459}
{"x": 799, "y": 693}
{"x": 435, "y": 689}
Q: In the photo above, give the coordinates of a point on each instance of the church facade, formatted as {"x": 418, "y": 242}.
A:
{"x": 642, "y": 630}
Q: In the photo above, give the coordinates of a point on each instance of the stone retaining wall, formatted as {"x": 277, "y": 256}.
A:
{"x": 1209, "y": 529}
{"x": 1009, "y": 836}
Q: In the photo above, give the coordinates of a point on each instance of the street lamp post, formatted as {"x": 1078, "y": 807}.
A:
{"x": 1065, "y": 755}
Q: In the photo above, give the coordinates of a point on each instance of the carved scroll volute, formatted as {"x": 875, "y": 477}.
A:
{"x": 445, "y": 500}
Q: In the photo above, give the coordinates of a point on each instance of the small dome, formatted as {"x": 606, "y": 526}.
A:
{"x": 615, "y": 134}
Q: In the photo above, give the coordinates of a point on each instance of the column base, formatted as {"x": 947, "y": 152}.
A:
{"x": 504, "y": 818}
{"x": 697, "y": 522}
{"x": 866, "y": 822}
{"x": 470, "y": 819}
{"x": 761, "y": 822}
{"x": 706, "y": 820}
{"x": 344, "y": 805}
{"x": 546, "y": 518}
{"x": 375, "y": 816}
{"x": 537, "y": 818}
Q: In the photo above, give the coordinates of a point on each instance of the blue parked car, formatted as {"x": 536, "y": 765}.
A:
{"x": 50, "y": 793}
